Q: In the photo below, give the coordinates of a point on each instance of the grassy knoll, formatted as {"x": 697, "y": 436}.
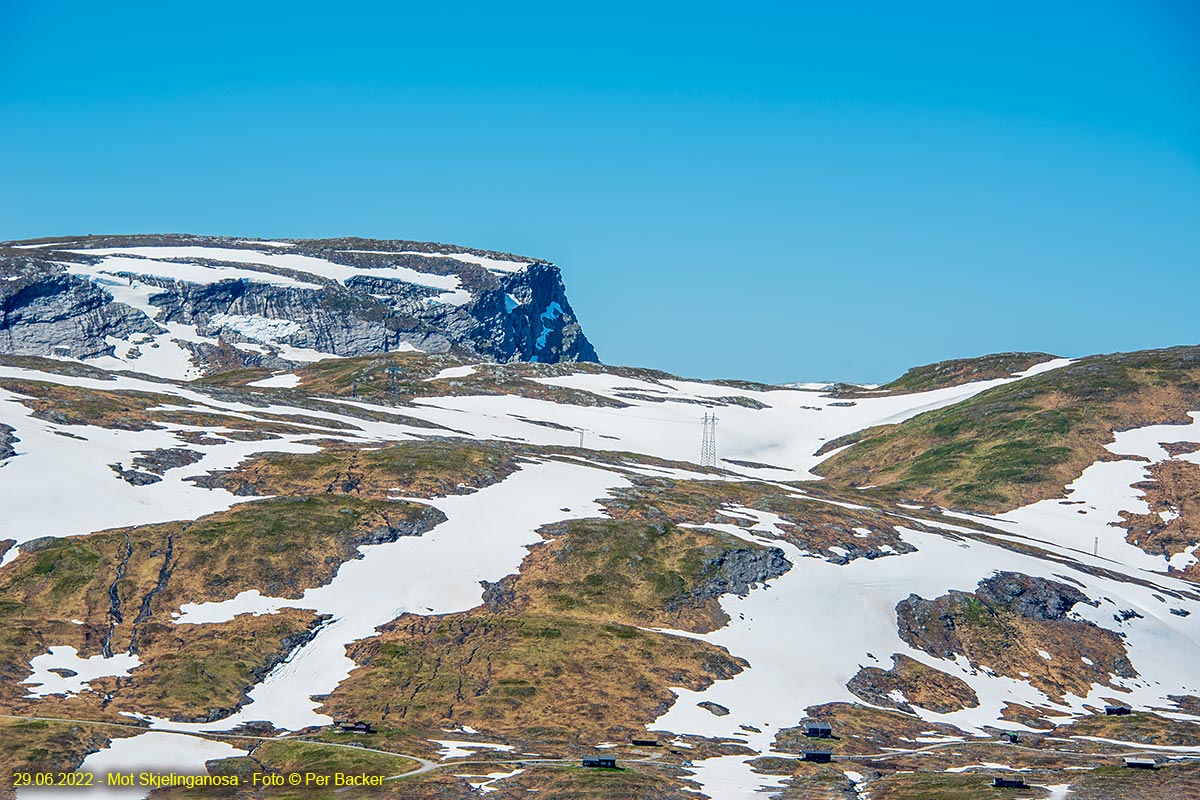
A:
{"x": 551, "y": 680}
{"x": 861, "y": 729}
{"x": 958, "y": 371}
{"x": 300, "y": 756}
{"x": 1023, "y": 441}
{"x": 638, "y": 573}
{"x": 423, "y": 469}
{"x": 946, "y": 786}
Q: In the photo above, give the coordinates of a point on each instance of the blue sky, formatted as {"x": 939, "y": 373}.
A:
{"x": 774, "y": 191}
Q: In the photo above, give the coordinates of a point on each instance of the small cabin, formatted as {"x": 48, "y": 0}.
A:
{"x": 355, "y": 727}
{"x": 644, "y": 742}
{"x": 1134, "y": 762}
{"x": 1011, "y": 737}
{"x": 1117, "y": 711}
{"x": 1009, "y": 783}
{"x": 818, "y": 756}
{"x": 600, "y": 762}
{"x": 818, "y": 730}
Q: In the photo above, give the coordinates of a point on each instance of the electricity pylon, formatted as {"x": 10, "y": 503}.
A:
{"x": 708, "y": 444}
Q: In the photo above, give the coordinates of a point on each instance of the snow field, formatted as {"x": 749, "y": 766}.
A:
{"x": 44, "y": 681}
{"x": 785, "y": 434}
{"x": 56, "y": 459}
{"x": 816, "y": 625}
{"x": 1093, "y": 502}
{"x": 731, "y": 778}
{"x": 52, "y": 458}
{"x": 154, "y": 752}
{"x": 453, "y": 372}
{"x": 117, "y": 260}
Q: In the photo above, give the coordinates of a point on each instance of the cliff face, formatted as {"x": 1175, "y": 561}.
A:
{"x": 258, "y": 302}
{"x": 46, "y": 312}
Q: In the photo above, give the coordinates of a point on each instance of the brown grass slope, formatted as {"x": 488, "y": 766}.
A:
{"x": 122, "y": 587}
{"x": 560, "y": 653}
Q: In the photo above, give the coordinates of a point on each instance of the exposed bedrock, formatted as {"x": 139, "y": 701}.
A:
{"x": 523, "y": 315}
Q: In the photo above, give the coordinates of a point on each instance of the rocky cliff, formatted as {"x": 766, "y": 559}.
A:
{"x": 199, "y": 301}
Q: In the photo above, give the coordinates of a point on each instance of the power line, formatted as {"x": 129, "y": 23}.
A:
{"x": 708, "y": 442}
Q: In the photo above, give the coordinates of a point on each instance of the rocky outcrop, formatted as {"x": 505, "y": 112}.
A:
{"x": 519, "y": 313}
{"x": 165, "y": 458}
{"x": 134, "y": 477}
{"x": 909, "y": 683}
{"x": 1034, "y": 598}
{"x": 936, "y": 626}
{"x": 1020, "y": 627}
{"x": 7, "y": 439}
{"x": 498, "y": 595}
{"x": 734, "y": 572}
{"x": 393, "y": 529}
{"x": 46, "y": 312}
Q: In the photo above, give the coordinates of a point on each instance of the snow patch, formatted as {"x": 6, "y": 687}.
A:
{"x": 286, "y": 380}
{"x": 253, "y": 326}
{"x": 45, "y": 680}
{"x": 118, "y": 261}
{"x": 453, "y": 372}
{"x": 485, "y": 786}
{"x": 454, "y": 748}
{"x": 155, "y": 752}
{"x": 732, "y": 778}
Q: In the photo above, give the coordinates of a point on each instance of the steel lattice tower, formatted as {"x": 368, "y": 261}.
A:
{"x": 708, "y": 444}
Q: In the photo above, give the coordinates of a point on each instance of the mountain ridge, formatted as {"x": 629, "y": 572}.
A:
{"x": 221, "y": 301}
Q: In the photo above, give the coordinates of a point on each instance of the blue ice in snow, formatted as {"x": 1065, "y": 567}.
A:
{"x": 553, "y": 312}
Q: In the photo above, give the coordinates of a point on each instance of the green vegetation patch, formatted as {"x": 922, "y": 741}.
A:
{"x": 301, "y": 756}
{"x": 1023, "y": 441}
